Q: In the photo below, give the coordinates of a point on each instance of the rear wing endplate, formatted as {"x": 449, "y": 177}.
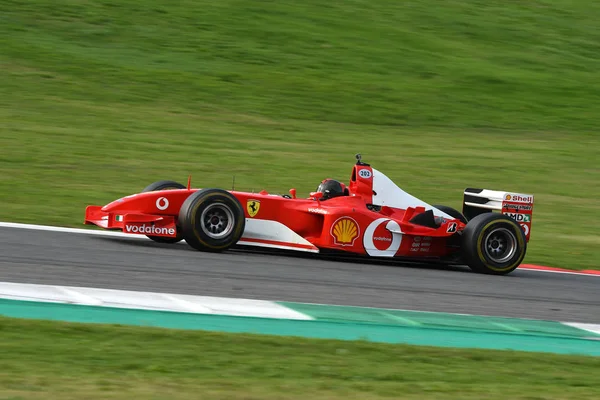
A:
{"x": 518, "y": 206}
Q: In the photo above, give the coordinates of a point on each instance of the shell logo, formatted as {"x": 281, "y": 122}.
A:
{"x": 344, "y": 230}
{"x": 508, "y": 197}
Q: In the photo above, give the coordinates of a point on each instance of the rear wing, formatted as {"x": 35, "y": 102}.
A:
{"x": 517, "y": 206}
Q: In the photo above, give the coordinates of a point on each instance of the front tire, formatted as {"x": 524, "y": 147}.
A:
{"x": 212, "y": 220}
{"x": 493, "y": 243}
{"x": 165, "y": 185}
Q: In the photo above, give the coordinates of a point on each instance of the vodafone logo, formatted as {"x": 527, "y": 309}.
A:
{"x": 149, "y": 230}
{"x": 379, "y": 241}
{"x": 525, "y": 228}
{"x": 382, "y": 239}
{"x": 162, "y": 203}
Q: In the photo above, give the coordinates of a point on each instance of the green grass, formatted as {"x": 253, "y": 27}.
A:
{"x": 101, "y": 98}
{"x": 55, "y": 360}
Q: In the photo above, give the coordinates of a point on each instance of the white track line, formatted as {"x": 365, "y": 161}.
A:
{"x": 594, "y": 328}
{"x": 49, "y": 228}
{"x": 147, "y": 301}
{"x": 559, "y": 272}
{"x": 96, "y": 232}
{"x": 192, "y": 304}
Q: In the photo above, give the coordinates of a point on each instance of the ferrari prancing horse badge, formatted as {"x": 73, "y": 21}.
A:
{"x": 252, "y": 206}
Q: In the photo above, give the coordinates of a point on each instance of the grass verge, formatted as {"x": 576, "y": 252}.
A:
{"x": 72, "y": 361}
{"x": 104, "y": 97}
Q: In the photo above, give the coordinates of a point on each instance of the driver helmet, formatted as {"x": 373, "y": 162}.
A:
{"x": 332, "y": 188}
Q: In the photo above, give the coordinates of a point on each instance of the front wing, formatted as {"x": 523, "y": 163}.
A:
{"x": 132, "y": 223}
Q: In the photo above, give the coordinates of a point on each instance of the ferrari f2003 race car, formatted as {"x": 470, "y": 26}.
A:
{"x": 369, "y": 217}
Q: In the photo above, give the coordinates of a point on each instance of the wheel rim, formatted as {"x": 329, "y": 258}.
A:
{"x": 500, "y": 245}
{"x": 217, "y": 220}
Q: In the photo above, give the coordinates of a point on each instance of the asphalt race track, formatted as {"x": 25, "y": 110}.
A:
{"x": 70, "y": 259}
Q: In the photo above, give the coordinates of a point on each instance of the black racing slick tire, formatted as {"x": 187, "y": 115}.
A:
{"x": 165, "y": 185}
{"x": 452, "y": 212}
{"x": 493, "y": 243}
{"x": 212, "y": 220}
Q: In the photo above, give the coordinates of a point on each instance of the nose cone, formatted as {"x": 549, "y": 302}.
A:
{"x": 119, "y": 204}
{"x": 159, "y": 202}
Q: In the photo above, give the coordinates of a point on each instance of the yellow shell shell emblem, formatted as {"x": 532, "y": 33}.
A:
{"x": 344, "y": 231}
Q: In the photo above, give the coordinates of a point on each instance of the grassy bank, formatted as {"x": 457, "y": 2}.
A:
{"x": 104, "y": 97}
{"x": 71, "y": 361}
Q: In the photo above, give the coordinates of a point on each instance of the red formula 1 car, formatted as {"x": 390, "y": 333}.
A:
{"x": 370, "y": 217}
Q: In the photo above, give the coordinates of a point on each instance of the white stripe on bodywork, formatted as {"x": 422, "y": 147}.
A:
{"x": 243, "y": 242}
{"x": 263, "y": 229}
{"x": 147, "y": 301}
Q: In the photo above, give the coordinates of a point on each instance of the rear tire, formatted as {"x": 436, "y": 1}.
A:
{"x": 165, "y": 185}
{"x": 493, "y": 243}
{"x": 452, "y": 212}
{"x": 212, "y": 220}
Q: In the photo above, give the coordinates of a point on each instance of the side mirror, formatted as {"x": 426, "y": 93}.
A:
{"x": 293, "y": 193}
{"x": 316, "y": 195}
